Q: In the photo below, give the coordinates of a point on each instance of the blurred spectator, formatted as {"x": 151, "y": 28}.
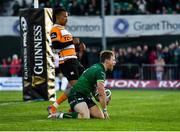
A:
{"x": 93, "y": 56}
{"x": 91, "y": 10}
{"x": 107, "y": 7}
{"x": 130, "y": 68}
{"x": 166, "y": 55}
{"x": 9, "y": 60}
{"x": 74, "y": 8}
{"x": 159, "y": 64}
{"x": 24, "y": 4}
{"x": 129, "y": 55}
{"x": 83, "y": 57}
{"x": 177, "y": 8}
{"x": 152, "y": 57}
{"x": 4, "y": 68}
{"x": 138, "y": 56}
{"x": 1, "y": 7}
{"x": 141, "y": 6}
{"x": 159, "y": 50}
{"x": 82, "y": 10}
{"x": 16, "y": 8}
{"x": 174, "y": 53}
{"x": 121, "y": 56}
{"x": 167, "y": 58}
{"x": 145, "y": 60}
{"x": 145, "y": 53}
{"x": 15, "y": 66}
{"x": 121, "y": 59}
{"x": 117, "y": 71}
{"x": 9, "y": 64}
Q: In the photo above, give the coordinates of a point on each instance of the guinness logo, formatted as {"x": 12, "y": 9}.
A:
{"x": 37, "y": 80}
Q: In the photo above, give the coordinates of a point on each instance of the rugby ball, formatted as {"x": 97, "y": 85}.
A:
{"x": 108, "y": 95}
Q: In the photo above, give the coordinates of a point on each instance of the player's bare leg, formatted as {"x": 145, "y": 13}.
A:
{"x": 96, "y": 112}
{"x": 82, "y": 110}
{"x": 53, "y": 108}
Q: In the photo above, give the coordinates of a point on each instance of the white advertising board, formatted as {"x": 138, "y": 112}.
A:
{"x": 116, "y": 26}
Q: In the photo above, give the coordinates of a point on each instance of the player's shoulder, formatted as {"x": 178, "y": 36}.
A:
{"x": 95, "y": 66}
{"x": 99, "y": 68}
{"x": 57, "y": 27}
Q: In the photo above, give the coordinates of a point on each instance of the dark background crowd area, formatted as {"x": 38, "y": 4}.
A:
{"x": 130, "y": 60}
{"x": 139, "y": 54}
{"x": 93, "y": 7}
{"x": 127, "y": 58}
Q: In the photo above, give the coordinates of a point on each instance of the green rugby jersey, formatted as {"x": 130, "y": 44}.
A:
{"x": 88, "y": 80}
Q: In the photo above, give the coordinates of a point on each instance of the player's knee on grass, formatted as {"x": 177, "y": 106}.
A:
{"x": 95, "y": 112}
{"x": 82, "y": 109}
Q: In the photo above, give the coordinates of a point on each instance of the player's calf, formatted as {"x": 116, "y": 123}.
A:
{"x": 51, "y": 109}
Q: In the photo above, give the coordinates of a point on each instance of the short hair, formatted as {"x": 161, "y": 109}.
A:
{"x": 56, "y": 12}
{"x": 105, "y": 55}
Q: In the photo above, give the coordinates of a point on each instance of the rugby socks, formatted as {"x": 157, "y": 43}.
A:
{"x": 56, "y": 105}
{"x": 61, "y": 99}
{"x": 73, "y": 115}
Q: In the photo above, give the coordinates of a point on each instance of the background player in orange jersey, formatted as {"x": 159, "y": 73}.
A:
{"x": 65, "y": 44}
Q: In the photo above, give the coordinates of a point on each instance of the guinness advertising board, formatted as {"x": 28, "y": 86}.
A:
{"x": 38, "y": 68}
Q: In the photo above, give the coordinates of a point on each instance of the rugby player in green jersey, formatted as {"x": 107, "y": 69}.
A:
{"x": 92, "y": 80}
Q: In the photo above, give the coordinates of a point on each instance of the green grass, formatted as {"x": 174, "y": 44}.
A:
{"x": 130, "y": 110}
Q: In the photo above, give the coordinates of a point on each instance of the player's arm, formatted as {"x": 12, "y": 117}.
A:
{"x": 101, "y": 76}
{"x": 102, "y": 94}
{"x": 102, "y": 97}
{"x": 79, "y": 44}
{"x": 80, "y": 47}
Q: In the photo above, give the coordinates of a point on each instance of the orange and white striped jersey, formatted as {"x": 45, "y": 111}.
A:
{"x": 62, "y": 40}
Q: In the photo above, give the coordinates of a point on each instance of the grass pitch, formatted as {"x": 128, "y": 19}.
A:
{"x": 130, "y": 110}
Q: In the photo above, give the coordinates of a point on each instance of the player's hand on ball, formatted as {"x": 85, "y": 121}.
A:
{"x": 108, "y": 96}
{"x": 106, "y": 115}
{"x": 108, "y": 100}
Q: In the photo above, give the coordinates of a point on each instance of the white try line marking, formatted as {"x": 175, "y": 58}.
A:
{"x": 11, "y": 103}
